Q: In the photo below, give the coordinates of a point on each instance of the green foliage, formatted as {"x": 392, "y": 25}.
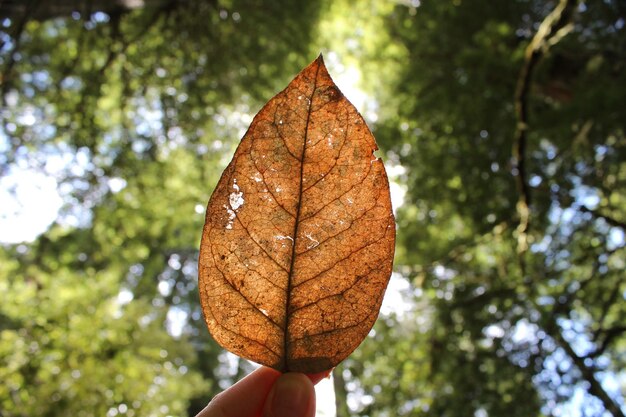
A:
{"x": 71, "y": 345}
{"x": 505, "y": 318}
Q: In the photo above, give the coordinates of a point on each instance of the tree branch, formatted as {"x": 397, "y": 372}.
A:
{"x": 610, "y": 220}
{"x": 595, "y": 387}
{"x": 587, "y": 372}
{"x": 609, "y": 336}
{"x": 552, "y": 29}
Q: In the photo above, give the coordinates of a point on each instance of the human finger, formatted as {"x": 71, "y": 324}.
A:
{"x": 292, "y": 395}
{"x": 245, "y": 398}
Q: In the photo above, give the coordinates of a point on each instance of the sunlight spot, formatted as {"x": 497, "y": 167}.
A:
{"x": 493, "y": 332}
{"x": 481, "y": 412}
{"x": 397, "y": 186}
{"x": 28, "y": 118}
{"x": 616, "y": 238}
{"x": 116, "y": 184}
{"x": 165, "y": 288}
{"x": 524, "y": 332}
{"x": 397, "y": 298}
{"x": 176, "y": 321}
{"x": 125, "y": 296}
{"x": 30, "y": 203}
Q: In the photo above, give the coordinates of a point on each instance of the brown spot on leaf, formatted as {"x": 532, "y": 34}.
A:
{"x": 298, "y": 243}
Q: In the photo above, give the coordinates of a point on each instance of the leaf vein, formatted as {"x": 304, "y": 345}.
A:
{"x": 236, "y": 291}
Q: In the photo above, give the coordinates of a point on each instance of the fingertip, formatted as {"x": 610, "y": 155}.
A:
{"x": 246, "y": 398}
{"x": 293, "y": 394}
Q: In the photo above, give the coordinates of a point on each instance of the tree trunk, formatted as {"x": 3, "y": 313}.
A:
{"x": 341, "y": 394}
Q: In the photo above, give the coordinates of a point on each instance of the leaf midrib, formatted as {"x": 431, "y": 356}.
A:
{"x": 297, "y": 223}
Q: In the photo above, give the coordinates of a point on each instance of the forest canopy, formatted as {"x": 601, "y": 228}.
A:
{"x": 502, "y": 125}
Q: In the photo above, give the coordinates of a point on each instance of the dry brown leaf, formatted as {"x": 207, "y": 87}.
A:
{"x": 298, "y": 243}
